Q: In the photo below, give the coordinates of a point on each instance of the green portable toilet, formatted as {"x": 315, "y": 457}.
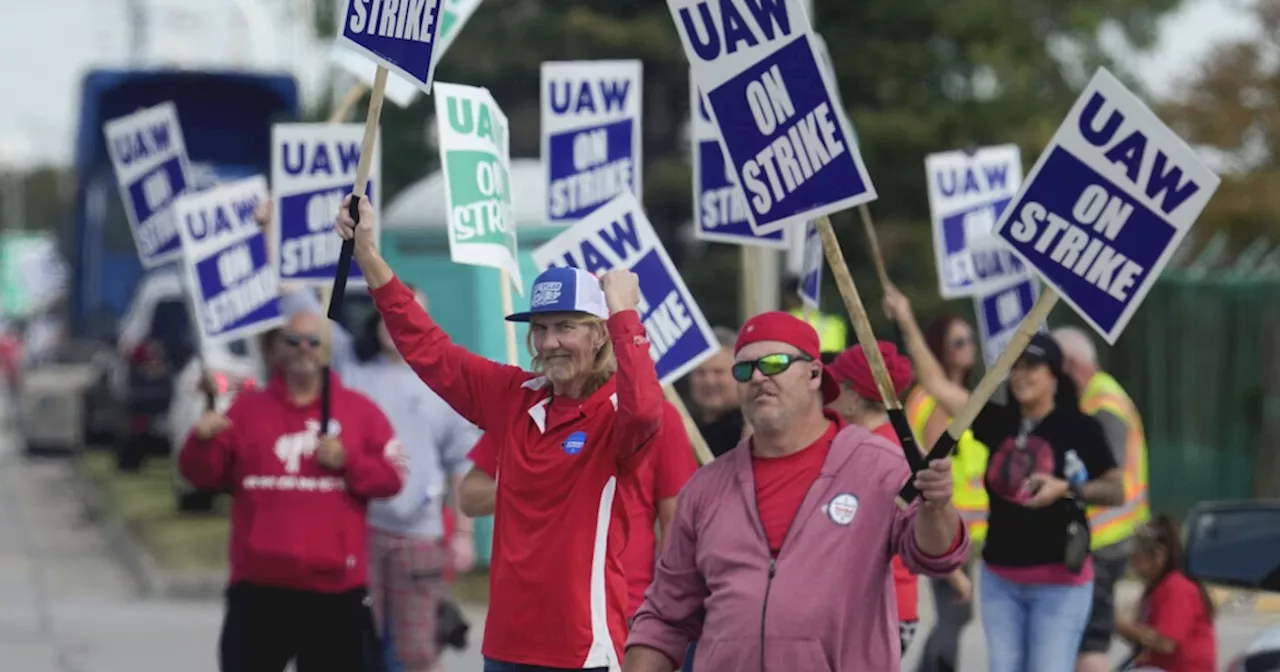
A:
{"x": 466, "y": 300}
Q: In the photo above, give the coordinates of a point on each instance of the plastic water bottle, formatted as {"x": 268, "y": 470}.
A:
{"x": 1075, "y": 470}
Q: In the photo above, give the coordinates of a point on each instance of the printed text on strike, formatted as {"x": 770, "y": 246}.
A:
{"x": 1073, "y": 248}
{"x": 805, "y": 148}
{"x": 403, "y": 20}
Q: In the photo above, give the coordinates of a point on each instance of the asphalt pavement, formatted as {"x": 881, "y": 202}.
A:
{"x": 67, "y": 606}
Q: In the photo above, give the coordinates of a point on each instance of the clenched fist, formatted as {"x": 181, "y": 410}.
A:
{"x": 621, "y": 290}
{"x": 363, "y": 232}
{"x": 211, "y": 424}
{"x": 330, "y": 452}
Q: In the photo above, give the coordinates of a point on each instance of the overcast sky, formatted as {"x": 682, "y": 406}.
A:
{"x": 41, "y": 81}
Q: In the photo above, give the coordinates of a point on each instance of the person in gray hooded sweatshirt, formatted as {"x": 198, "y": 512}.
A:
{"x": 407, "y": 554}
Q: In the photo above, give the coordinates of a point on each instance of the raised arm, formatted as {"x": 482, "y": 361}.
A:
{"x": 929, "y": 371}
{"x": 474, "y": 386}
{"x": 640, "y": 404}
{"x": 208, "y": 456}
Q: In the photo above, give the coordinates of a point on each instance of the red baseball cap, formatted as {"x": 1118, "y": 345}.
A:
{"x": 787, "y": 328}
{"x": 851, "y": 367}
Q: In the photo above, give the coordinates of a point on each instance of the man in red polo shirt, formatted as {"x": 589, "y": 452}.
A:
{"x": 565, "y": 435}
{"x": 650, "y": 497}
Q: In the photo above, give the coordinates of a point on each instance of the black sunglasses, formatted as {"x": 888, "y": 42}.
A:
{"x": 769, "y": 365}
{"x": 295, "y": 340}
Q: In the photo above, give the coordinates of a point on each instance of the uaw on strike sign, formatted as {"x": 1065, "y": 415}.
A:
{"x": 719, "y": 209}
{"x": 312, "y": 169}
{"x": 590, "y": 135}
{"x": 777, "y": 116}
{"x": 400, "y": 36}
{"x": 475, "y": 157}
{"x": 150, "y": 160}
{"x": 1107, "y": 204}
{"x": 619, "y": 235}
{"x": 233, "y": 284}
{"x": 968, "y": 191}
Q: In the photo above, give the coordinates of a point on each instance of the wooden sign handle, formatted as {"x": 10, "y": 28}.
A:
{"x": 867, "y": 339}
{"x": 339, "y": 289}
{"x": 700, "y": 450}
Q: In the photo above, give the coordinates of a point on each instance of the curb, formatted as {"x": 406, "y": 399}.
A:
{"x": 1240, "y": 599}
{"x": 151, "y": 580}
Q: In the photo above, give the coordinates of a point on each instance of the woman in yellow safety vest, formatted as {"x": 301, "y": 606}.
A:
{"x": 950, "y": 339}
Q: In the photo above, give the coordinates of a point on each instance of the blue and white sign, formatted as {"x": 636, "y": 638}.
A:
{"x": 313, "y": 167}
{"x": 1000, "y": 311}
{"x": 719, "y": 208}
{"x": 591, "y": 142}
{"x": 234, "y": 288}
{"x": 400, "y": 36}
{"x": 810, "y": 287}
{"x": 1107, "y": 204}
{"x": 777, "y": 115}
{"x": 967, "y": 194}
{"x": 150, "y": 160}
{"x": 619, "y": 235}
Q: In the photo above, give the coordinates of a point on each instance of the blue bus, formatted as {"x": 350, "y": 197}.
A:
{"x": 226, "y": 121}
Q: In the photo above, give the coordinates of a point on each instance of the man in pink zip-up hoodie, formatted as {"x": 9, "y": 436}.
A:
{"x": 778, "y": 558}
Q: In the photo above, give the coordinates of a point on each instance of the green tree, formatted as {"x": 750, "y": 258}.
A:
{"x": 1231, "y": 106}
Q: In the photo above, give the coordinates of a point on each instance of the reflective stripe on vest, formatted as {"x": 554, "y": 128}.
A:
{"x": 1111, "y": 525}
{"x": 968, "y": 465}
{"x": 832, "y": 334}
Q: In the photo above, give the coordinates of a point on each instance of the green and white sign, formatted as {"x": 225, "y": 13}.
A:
{"x": 475, "y": 156}
{"x": 453, "y": 16}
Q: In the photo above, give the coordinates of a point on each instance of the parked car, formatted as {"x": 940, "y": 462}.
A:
{"x": 156, "y": 340}
{"x": 1237, "y": 543}
{"x": 230, "y": 368}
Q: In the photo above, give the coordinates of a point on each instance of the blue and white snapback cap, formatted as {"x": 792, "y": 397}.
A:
{"x": 564, "y": 290}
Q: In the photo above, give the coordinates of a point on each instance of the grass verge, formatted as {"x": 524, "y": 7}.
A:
{"x": 146, "y": 504}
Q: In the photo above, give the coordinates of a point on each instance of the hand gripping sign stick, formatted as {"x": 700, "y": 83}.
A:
{"x": 867, "y": 339}
{"x": 990, "y": 381}
{"x": 349, "y": 246}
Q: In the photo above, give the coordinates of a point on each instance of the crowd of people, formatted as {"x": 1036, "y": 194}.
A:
{"x": 613, "y": 550}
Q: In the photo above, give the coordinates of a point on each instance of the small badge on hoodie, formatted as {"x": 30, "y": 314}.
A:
{"x": 574, "y": 444}
{"x": 843, "y": 508}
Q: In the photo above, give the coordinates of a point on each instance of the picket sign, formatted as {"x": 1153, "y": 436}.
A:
{"x": 618, "y": 235}
{"x": 475, "y": 159}
{"x": 776, "y": 113}
{"x": 999, "y": 313}
{"x": 1098, "y": 217}
{"x": 968, "y": 192}
{"x": 591, "y": 135}
{"x": 233, "y": 286}
{"x": 152, "y": 170}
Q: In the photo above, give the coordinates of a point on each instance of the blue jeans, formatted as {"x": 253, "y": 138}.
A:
{"x": 491, "y": 665}
{"x": 1032, "y": 627}
{"x": 688, "y": 658}
{"x": 389, "y": 661}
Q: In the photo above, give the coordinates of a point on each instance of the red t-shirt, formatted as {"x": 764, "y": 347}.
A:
{"x": 1176, "y": 610}
{"x": 783, "y": 482}
{"x": 660, "y": 477}
{"x": 905, "y": 584}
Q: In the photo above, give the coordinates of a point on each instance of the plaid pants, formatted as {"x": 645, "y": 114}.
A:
{"x": 406, "y": 582}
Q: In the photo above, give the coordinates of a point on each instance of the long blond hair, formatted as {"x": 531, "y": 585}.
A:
{"x": 602, "y": 367}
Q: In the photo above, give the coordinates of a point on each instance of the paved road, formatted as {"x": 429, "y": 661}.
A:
{"x": 66, "y": 607}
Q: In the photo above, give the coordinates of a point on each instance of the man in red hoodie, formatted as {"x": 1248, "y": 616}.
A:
{"x": 298, "y": 548}
{"x": 564, "y": 435}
